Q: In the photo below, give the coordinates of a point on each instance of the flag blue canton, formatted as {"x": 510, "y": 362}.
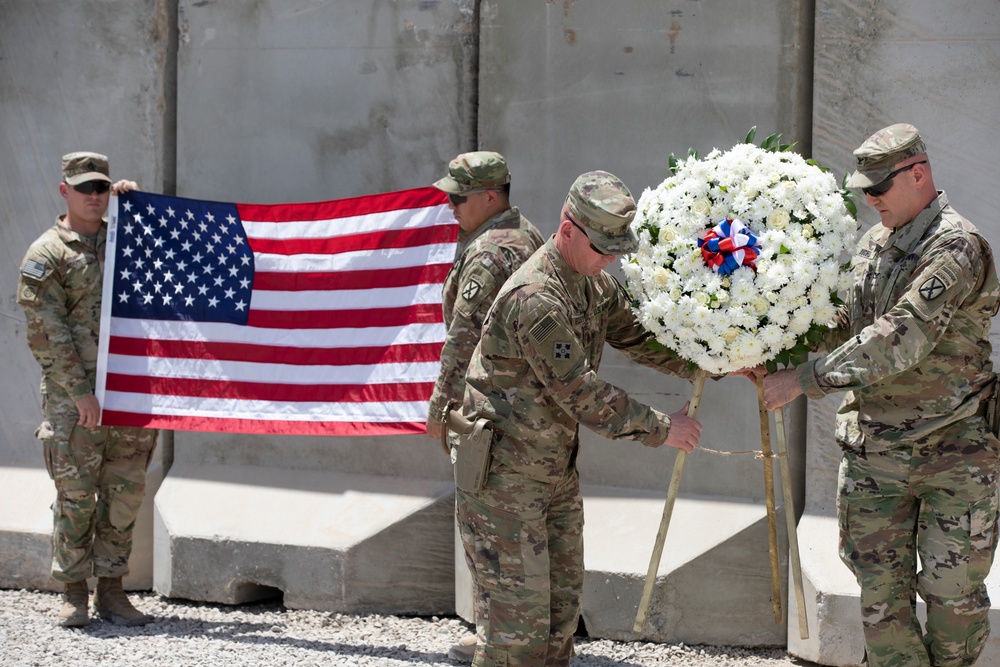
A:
{"x": 181, "y": 259}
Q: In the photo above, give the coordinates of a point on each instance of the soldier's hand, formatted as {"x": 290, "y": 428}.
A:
{"x": 684, "y": 431}
{"x": 123, "y": 186}
{"x": 90, "y": 411}
{"x": 781, "y": 388}
{"x": 433, "y": 429}
{"x": 749, "y": 373}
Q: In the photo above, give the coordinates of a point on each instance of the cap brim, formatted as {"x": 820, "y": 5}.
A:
{"x": 453, "y": 187}
{"x": 614, "y": 245}
{"x": 88, "y": 176}
{"x": 866, "y": 179}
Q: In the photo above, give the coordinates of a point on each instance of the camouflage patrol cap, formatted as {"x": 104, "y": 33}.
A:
{"x": 883, "y": 150}
{"x": 82, "y": 166}
{"x": 601, "y": 203}
{"x": 480, "y": 170}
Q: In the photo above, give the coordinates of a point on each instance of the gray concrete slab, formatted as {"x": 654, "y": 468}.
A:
{"x": 325, "y": 540}
{"x": 26, "y": 531}
{"x": 713, "y": 582}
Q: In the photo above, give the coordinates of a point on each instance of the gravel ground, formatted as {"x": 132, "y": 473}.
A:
{"x": 189, "y": 633}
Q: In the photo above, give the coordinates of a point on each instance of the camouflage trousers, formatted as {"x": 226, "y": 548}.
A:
{"x": 523, "y": 542}
{"x": 936, "y": 499}
{"x": 100, "y": 478}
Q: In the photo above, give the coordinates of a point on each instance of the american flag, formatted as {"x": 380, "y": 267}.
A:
{"x": 301, "y": 319}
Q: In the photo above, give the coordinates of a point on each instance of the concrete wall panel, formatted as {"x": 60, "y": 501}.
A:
{"x": 306, "y": 101}
{"x": 73, "y": 76}
{"x": 570, "y": 87}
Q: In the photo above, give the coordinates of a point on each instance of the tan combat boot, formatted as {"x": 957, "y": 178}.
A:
{"x": 76, "y": 604}
{"x": 464, "y": 651}
{"x": 111, "y": 604}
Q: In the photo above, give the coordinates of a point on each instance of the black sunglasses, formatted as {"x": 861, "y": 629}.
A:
{"x": 456, "y": 200}
{"x": 90, "y": 187}
{"x": 882, "y": 187}
{"x": 592, "y": 246}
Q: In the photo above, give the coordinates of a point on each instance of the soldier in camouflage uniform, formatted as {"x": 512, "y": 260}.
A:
{"x": 494, "y": 239}
{"x": 534, "y": 377}
{"x": 99, "y": 471}
{"x": 919, "y": 472}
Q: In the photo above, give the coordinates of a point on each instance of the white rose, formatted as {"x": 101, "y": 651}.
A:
{"x": 702, "y": 207}
{"x": 779, "y": 218}
{"x": 760, "y": 305}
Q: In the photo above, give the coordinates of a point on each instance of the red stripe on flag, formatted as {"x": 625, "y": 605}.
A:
{"x": 261, "y": 426}
{"x": 343, "y": 208}
{"x": 265, "y": 391}
{"x": 390, "y": 238}
{"x": 296, "y": 356}
{"x": 351, "y": 280}
{"x": 421, "y": 313}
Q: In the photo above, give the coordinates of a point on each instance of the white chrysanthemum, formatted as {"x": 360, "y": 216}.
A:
{"x": 723, "y": 323}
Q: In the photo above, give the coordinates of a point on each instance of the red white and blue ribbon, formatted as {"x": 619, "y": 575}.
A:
{"x": 728, "y": 246}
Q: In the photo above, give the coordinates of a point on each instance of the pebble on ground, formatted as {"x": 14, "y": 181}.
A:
{"x": 266, "y": 634}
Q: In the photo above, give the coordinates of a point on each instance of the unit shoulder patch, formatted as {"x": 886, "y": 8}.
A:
{"x": 471, "y": 289}
{"x": 929, "y": 296}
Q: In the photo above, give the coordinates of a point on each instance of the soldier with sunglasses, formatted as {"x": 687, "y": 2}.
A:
{"x": 533, "y": 376}
{"x": 919, "y": 470}
{"x": 493, "y": 240}
{"x": 99, "y": 471}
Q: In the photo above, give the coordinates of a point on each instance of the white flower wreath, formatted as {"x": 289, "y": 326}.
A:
{"x": 741, "y": 255}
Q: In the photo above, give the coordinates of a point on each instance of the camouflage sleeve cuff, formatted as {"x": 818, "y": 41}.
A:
{"x": 658, "y": 432}
{"x": 808, "y": 381}
{"x": 79, "y": 390}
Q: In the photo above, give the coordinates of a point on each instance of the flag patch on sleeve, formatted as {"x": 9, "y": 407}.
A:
{"x": 33, "y": 269}
{"x": 543, "y": 328}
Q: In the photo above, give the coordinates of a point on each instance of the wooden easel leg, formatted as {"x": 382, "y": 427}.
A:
{"x": 772, "y": 520}
{"x": 793, "y": 539}
{"x": 668, "y": 509}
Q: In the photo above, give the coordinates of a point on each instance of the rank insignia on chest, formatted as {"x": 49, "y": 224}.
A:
{"x": 932, "y": 288}
{"x": 560, "y": 350}
{"x": 471, "y": 289}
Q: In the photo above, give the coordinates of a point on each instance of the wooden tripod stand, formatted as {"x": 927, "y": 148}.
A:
{"x": 772, "y": 528}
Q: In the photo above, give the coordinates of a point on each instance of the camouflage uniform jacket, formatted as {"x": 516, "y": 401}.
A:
{"x": 59, "y": 287}
{"x": 915, "y": 355}
{"x": 486, "y": 259}
{"x": 534, "y": 372}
